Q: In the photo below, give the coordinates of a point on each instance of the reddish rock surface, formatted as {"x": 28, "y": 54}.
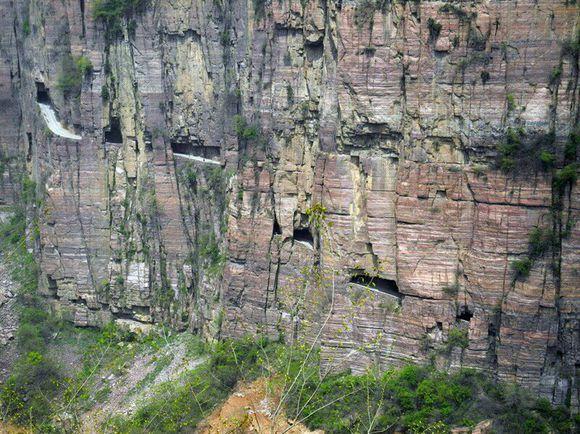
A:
{"x": 392, "y": 127}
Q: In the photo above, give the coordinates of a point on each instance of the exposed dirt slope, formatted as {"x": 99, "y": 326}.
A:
{"x": 250, "y": 409}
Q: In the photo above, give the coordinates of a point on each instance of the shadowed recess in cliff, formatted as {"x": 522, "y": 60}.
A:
{"x": 465, "y": 314}
{"x": 42, "y": 93}
{"x": 189, "y": 148}
{"x": 304, "y": 237}
{"x": 385, "y": 286}
{"x": 276, "y": 230}
{"x": 196, "y": 152}
{"x": 113, "y": 134}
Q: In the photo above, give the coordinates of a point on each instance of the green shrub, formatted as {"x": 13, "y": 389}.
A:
{"x": 566, "y": 176}
{"x": 457, "y": 338}
{"x": 108, "y": 10}
{"x": 69, "y": 79}
{"x": 547, "y": 158}
{"x": 507, "y": 164}
{"x": 105, "y": 93}
{"x": 112, "y": 13}
{"x": 416, "y": 400}
{"x": 84, "y": 65}
{"x": 289, "y": 94}
{"x": 540, "y": 241}
{"x": 250, "y": 132}
{"x": 460, "y": 13}
{"x": 210, "y": 251}
{"x": 27, "y": 395}
{"x": 556, "y": 74}
{"x": 434, "y": 28}
{"x": 190, "y": 177}
{"x": 571, "y": 148}
{"x": 243, "y": 130}
{"x": 26, "y": 27}
{"x": 72, "y": 72}
{"x": 479, "y": 169}
{"x": 511, "y": 102}
{"x": 522, "y": 267}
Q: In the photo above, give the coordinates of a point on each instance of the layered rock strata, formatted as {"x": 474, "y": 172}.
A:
{"x": 361, "y": 200}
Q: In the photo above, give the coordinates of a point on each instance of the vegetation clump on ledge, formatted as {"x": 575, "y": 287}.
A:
{"x": 434, "y": 29}
{"x": 540, "y": 241}
{"x": 112, "y": 13}
{"x": 365, "y": 11}
{"x": 73, "y": 71}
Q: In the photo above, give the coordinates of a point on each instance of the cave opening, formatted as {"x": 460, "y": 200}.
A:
{"x": 113, "y": 134}
{"x": 52, "y": 286}
{"x": 148, "y": 138}
{"x": 277, "y": 230}
{"x": 182, "y": 148}
{"x": 303, "y": 235}
{"x": 465, "y": 314}
{"x": 42, "y": 93}
{"x": 386, "y": 286}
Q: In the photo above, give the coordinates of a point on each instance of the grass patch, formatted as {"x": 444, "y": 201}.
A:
{"x": 180, "y": 405}
{"x": 409, "y": 399}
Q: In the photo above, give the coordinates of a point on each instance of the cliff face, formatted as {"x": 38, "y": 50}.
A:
{"x": 381, "y": 174}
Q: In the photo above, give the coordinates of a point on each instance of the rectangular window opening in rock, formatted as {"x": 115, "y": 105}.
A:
{"x": 386, "y": 286}
{"x": 195, "y": 149}
{"x": 42, "y": 93}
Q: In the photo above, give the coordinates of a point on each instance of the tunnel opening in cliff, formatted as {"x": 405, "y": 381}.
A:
{"x": 113, "y": 133}
{"x": 465, "y": 314}
{"x": 304, "y": 236}
{"x": 386, "y": 286}
{"x": 52, "y": 286}
{"x": 42, "y": 93}
{"x": 195, "y": 149}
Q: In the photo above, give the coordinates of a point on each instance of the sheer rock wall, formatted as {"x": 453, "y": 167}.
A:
{"x": 390, "y": 115}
